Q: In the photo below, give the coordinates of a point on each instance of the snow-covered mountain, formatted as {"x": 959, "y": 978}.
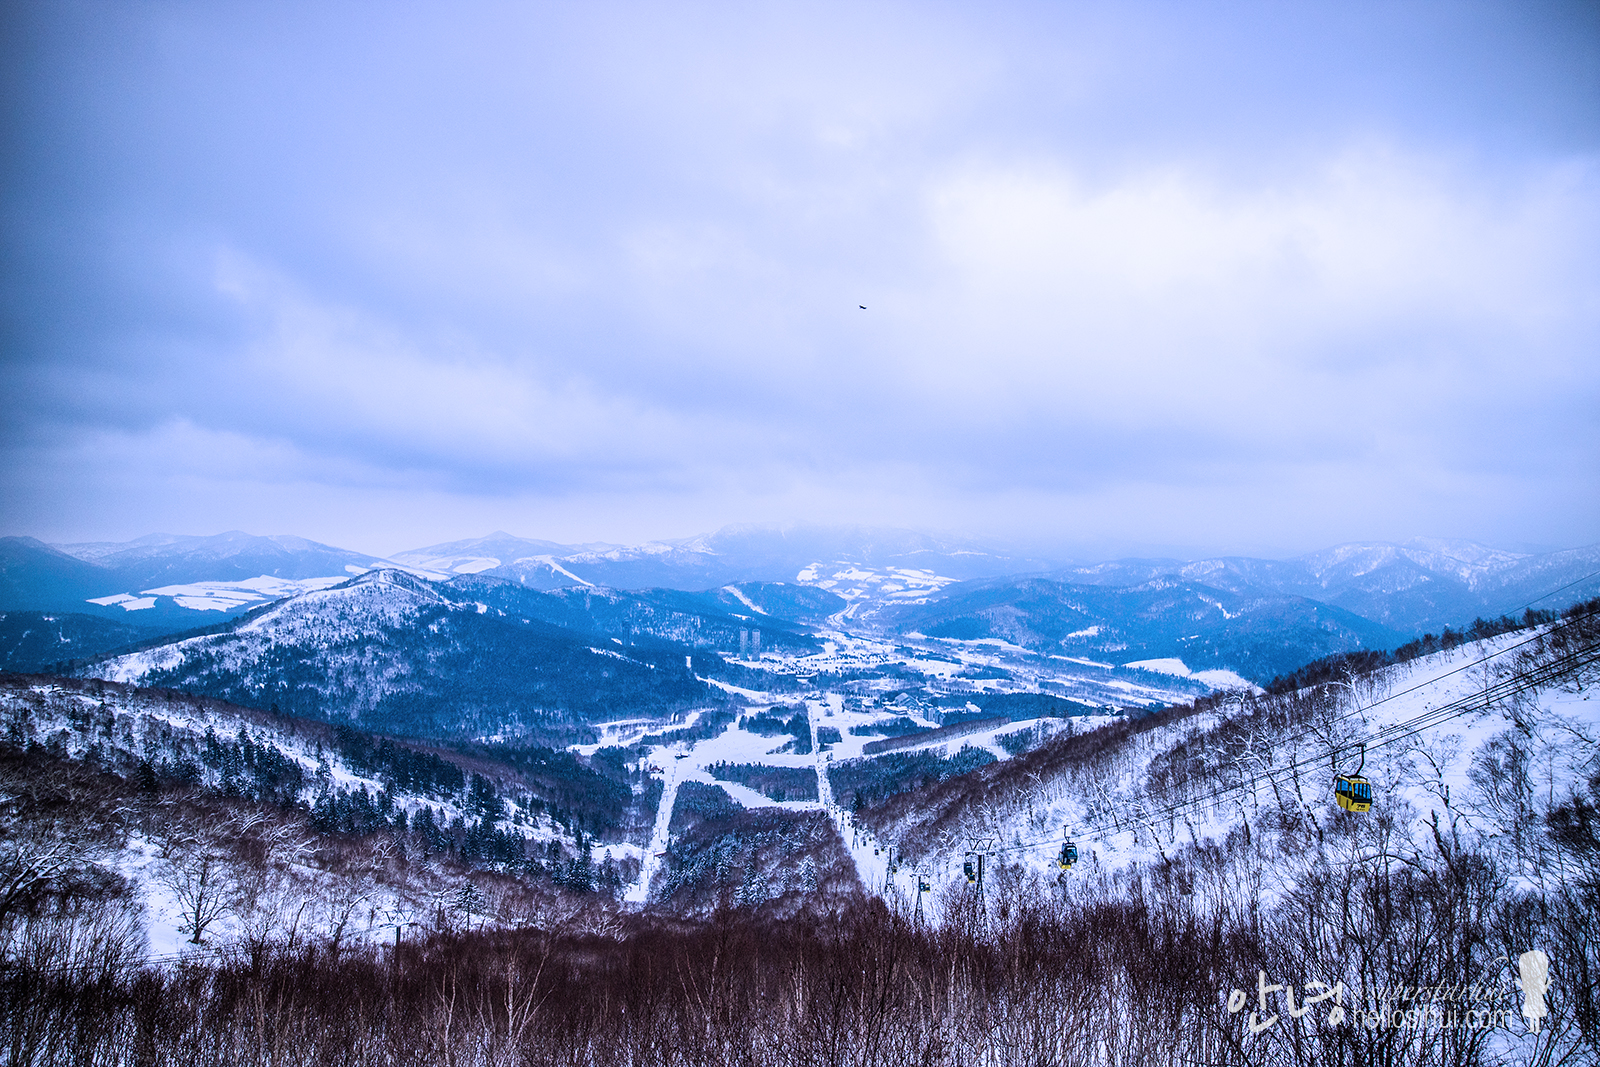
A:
{"x": 1434, "y": 735}
{"x": 1258, "y": 634}
{"x": 405, "y": 655}
{"x": 163, "y": 559}
{"x": 1421, "y": 585}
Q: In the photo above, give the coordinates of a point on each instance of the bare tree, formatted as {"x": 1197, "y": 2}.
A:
{"x": 201, "y": 881}
{"x": 37, "y": 851}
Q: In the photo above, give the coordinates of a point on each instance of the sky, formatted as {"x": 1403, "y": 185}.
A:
{"x": 1094, "y": 278}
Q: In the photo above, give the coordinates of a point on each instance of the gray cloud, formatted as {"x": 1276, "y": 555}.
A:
{"x": 1247, "y": 276}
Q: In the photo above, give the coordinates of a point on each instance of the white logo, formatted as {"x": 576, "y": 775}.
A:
{"x": 1534, "y": 968}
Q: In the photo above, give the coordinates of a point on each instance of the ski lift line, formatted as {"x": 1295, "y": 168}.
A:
{"x": 1563, "y": 589}
{"x": 211, "y": 955}
{"x": 1388, "y": 736}
{"x": 1465, "y": 666}
{"x": 1103, "y": 829}
{"x": 1355, "y": 711}
{"x": 1303, "y": 732}
{"x": 1393, "y": 734}
{"x": 1480, "y": 661}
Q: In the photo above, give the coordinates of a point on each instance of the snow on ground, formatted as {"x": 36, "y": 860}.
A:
{"x": 933, "y": 667}
{"x": 738, "y": 594}
{"x": 1423, "y": 775}
{"x": 56, "y": 714}
{"x": 125, "y": 601}
{"x": 1160, "y": 666}
{"x": 222, "y": 596}
{"x": 1215, "y": 678}
{"x": 659, "y": 837}
{"x": 867, "y": 588}
{"x": 550, "y": 561}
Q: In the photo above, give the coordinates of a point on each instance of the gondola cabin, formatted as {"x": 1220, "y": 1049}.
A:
{"x": 972, "y": 868}
{"x": 1069, "y": 855}
{"x": 1353, "y": 792}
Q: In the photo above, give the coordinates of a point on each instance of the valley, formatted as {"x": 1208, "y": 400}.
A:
{"x": 411, "y": 768}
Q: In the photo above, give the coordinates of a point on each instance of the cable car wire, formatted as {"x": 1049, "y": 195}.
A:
{"x": 1392, "y": 734}
{"x": 1305, "y": 731}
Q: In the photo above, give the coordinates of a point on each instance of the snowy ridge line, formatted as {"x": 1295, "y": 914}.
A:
{"x": 1535, "y": 679}
{"x": 1397, "y": 732}
{"x": 1358, "y": 711}
{"x": 1563, "y": 589}
{"x": 1411, "y": 728}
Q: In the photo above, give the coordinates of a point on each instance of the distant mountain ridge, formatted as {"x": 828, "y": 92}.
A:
{"x": 164, "y": 559}
{"x": 732, "y": 554}
{"x": 1253, "y": 615}
{"x": 1411, "y": 588}
{"x": 1258, "y": 636}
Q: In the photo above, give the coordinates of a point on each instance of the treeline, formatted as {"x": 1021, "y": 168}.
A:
{"x": 470, "y": 823}
{"x": 246, "y": 766}
{"x": 777, "y": 721}
{"x": 896, "y": 727}
{"x": 710, "y": 723}
{"x": 860, "y": 783}
{"x": 775, "y": 783}
{"x": 697, "y": 803}
{"x": 967, "y": 726}
{"x": 1341, "y": 666}
{"x": 593, "y": 799}
{"x": 1013, "y": 706}
{"x": 410, "y": 769}
{"x": 764, "y": 862}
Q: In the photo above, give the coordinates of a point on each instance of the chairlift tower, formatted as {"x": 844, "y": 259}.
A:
{"x": 977, "y": 859}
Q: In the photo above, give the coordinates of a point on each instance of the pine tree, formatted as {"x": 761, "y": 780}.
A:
{"x": 469, "y": 900}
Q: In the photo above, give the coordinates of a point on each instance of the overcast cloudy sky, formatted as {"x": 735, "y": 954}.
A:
{"x": 1248, "y": 277}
